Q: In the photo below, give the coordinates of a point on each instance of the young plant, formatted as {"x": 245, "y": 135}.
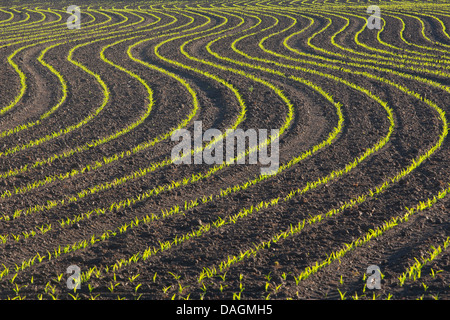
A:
{"x": 342, "y": 295}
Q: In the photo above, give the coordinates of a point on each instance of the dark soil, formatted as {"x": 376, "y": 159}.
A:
{"x": 174, "y": 272}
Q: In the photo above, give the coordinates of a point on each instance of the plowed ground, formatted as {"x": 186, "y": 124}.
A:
{"x": 362, "y": 117}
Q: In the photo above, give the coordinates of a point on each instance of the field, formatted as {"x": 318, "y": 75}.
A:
{"x": 89, "y": 190}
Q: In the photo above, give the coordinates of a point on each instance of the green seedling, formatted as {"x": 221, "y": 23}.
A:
{"x": 342, "y": 295}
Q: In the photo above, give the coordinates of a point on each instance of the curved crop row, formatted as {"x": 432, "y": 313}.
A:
{"x": 374, "y": 104}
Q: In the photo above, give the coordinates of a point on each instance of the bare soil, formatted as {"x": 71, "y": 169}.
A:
{"x": 417, "y": 129}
